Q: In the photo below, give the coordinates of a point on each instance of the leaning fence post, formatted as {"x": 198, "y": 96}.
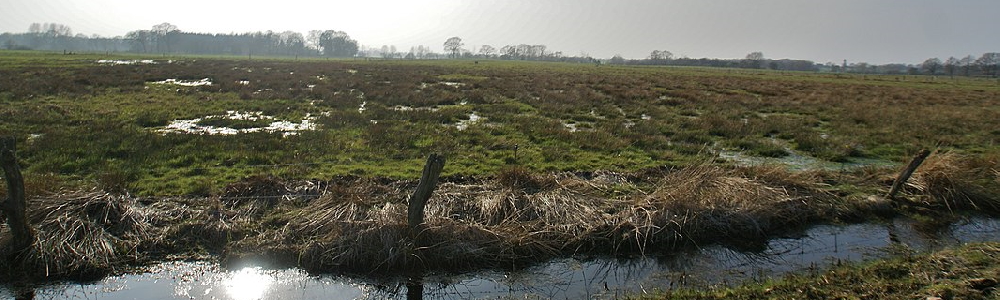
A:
{"x": 905, "y": 175}
{"x": 428, "y": 181}
{"x": 14, "y": 207}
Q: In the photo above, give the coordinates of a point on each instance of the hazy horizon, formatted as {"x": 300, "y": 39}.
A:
{"x": 880, "y": 31}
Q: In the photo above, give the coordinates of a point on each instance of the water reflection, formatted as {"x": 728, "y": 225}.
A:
{"x": 574, "y": 278}
{"x": 248, "y": 284}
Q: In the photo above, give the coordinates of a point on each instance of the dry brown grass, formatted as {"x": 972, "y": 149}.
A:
{"x": 517, "y": 217}
{"x": 957, "y": 182}
{"x": 522, "y": 217}
{"x": 80, "y": 234}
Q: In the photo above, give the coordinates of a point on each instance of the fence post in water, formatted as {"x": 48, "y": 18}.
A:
{"x": 14, "y": 207}
{"x": 428, "y": 181}
{"x": 905, "y": 175}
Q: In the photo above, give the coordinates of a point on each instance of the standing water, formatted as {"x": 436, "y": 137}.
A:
{"x": 572, "y": 278}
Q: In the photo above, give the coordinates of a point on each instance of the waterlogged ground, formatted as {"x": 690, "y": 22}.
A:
{"x": 796, "y": 161}
{"x": 573, "y": 278}
{"x": 268, "y": 124}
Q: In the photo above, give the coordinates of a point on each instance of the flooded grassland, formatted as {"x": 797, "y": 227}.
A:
{"x": 309, "y": 165}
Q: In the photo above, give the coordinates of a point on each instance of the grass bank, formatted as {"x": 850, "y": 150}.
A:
{"x": 965, "y": 272}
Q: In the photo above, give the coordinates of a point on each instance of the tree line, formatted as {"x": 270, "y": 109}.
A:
{"x": 166, "y": 38}
{"x": 986, "y": 65}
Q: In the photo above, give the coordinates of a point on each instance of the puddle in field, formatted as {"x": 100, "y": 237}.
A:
{"x": 463, "y": 124}
{"x": 273, "y": 125}
{"x": 573, "y": 278}
{"x": 798, "y": 162}
{"x": 201, "y": 82}
{"x": 574, "y": 126}
{"x": 424, "y": 85}
{"x": 411, "y": 108}
{"x": 126, "y": 62}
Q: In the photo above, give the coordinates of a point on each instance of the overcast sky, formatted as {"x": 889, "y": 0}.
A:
{"x": 874, "y": 31}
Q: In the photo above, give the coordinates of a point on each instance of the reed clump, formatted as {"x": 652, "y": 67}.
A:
{"x": 519, "y": 217}
{"x": 79, "y": 234}
{"x": 957, "y": 182}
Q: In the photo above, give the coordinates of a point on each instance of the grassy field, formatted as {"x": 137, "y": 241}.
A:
{"x": 128, "y": 160}
{"x": 78, "y": 119}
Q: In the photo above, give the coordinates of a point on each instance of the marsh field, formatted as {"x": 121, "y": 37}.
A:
{"x": 131, "y": 160}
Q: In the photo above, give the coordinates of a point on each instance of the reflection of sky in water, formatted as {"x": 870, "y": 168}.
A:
{"x": 202, "y": 280}
{"x": 248, "y": 284}
{"x": 810, "y": 250}
{"x": 193, "y": 126}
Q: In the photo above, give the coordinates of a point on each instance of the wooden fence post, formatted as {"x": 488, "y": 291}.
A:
{"x": 15, "y": 206}
{"x": 428, "y": 181}
{"x": 905, "y": 175}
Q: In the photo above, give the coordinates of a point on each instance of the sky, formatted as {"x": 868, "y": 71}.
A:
{"x": 873, "y": 31}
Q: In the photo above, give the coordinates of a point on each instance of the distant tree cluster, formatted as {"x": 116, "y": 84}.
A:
{"x": 58, "y": 37}
{"x": 986, "y": 65}
{"x": 167, "y": 38}
{"x": 753, "y": 60}
{"x": 454, "y": 48}
{"x": 660, "y": 56}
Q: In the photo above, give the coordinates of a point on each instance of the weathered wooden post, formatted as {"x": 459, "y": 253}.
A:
{"x": 905, "y": 175}
{"x": 415, "y": 216}
{"x": 428, "y": 181}
{"x": 15, "y": 206}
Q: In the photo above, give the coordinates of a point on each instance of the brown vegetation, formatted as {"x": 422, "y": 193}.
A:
{"x": 359, "y": 224}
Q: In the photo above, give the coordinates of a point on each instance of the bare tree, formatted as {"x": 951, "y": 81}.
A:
{"x": 424, "y": 52}
{"x": 508, "y": 52}
{"x": 931, "y": 65}
{"x": 989, "y": 63}
{"x": 162, "y": 36}
{"x": 967, "y": 62}
{"x": 139, "y": 40}
{"x": 312, "y": 39}
{"x": 487, "y": 51}
{"x": 754, "y": 60}
{"x": 292, "y": 40}
{"x": 454, "y": 46}
{"x": 388, "y": 52}
{"x": 523, "y": 51}
{"x": 538, "y": 51}
{"x": 951, "y": 65}
{"x": 660, "y": 55}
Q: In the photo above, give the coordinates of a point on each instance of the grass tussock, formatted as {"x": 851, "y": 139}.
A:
{"x": 80, "y": 234}
{"x": 712, "y": 201}
{"x": 957, "y": 182}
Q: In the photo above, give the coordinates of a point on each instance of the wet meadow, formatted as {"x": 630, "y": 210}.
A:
{"x": 309, "y": 163}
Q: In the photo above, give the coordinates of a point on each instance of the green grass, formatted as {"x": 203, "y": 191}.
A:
{"x": 965, "y": 272}
{"x": 76, "y": 119}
